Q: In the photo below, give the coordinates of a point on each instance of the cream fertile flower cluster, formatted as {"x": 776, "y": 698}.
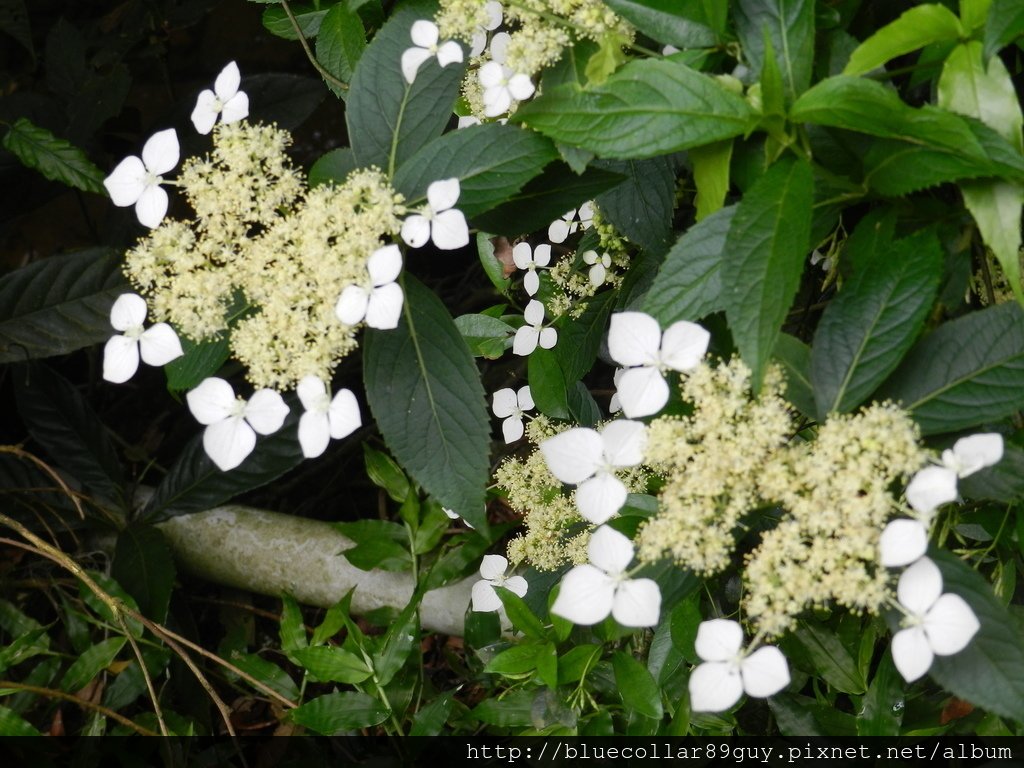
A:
{"x": 287, "y": 273}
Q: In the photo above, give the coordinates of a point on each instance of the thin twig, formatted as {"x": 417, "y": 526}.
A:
{"x": 84, "y": 703}
{"x": 145, "y": 675}
{"x": 218, "y": 702}
{"x": 13, "y": 449}
{"x": 326, "y": 75}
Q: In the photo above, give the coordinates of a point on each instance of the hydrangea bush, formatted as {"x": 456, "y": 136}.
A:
{"x": 726, "y": 419}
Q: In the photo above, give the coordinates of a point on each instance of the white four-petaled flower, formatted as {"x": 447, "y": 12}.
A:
{"x": 492, "y": 573}
{"x": 599, "y": 266}
{"x": 136, "y": 181}
{"x": 728, "y": 671}
{"x": 902, "y": 542}
{"x": 635, "y": 342}
{"x": 224, "y": 101}
{"x": 325, "y": 417}
{"x": 936, "y": 624}
{"x": 560, "y": 229}
{"x": 493, "y": 10}
{"x": 438, "y": 220}
{"x": 510, "y": 406}
{"x": 380, "y": 305}
{"x": 589, "y": 593}
{"x": 425, "y": 35}
{"x": 533, "y": 333}
{"x": 501, "y": 87}
{"x": 529, "y": 259}
{"x": 157, "y": 345}
{"x": 232, "y": 423}
{"x": 589, "y": 459}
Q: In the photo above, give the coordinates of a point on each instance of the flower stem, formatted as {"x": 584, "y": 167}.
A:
{"x": 331, "y": 79}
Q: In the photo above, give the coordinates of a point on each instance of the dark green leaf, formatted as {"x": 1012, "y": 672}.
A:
{"x": 60, "y": 304}
{"x": 267, "y": 673}
{"x": 194, "y": 483}
{"x": 12, "y": 724}
{"x": 1005, "y": 23}
{"x": 520, "y": 615}
{"x": 1003, "y": 482}
{"x": 795, "y": 357}
{"x": 385, "y": 473}
{"x": 201, "y": 360}
{"x": 662, "y": 20}
{"x": 282, "y": 98}
{"x": 517, "y": 660}
{"x": 332, "y": 167}
{"x": 308, "y": 17}
{"x": 790, "y": 25}
{"x": 56, "y": 159}
{"x": 579, "y": 340}
{"x": 485, "y": 336}
{"x": 100, "y": 607}
{"x": 636, "y": 686}
{"x": 143, "y": 562}
{"x": 492, "y": 163}
{"x": 883, "y": 709}
{"x": 920, "y": 26}
{"x": 547, "y": 383}
{"x": 379, "y": 544}
{"x": 91, "y": 663}
{"x": 510, "y": 711}
{"x": 830, "y": 659}
{"x": 341, "y": 42}
{"x": 402, "y": 636}
{"x": 337, "y": 713}
{"x": 545, "y": 198}
{"x": 425, "y": 393}
{"x": 494, "y": 269}
{"x": 869, "y": 326}
{"x": 130, "y": 683}
{"x": 989, "y": 672}
{"x": 332, "y": 664}
{"x": 688, "y": 286}
{"x": 293, "y": 628}
{"x": 967, "y": 372}
{"x": 649, "y": 107}
{"x": 14, "y": 21}
{"x": 388, "y": 119}
{"x": 430, "y": 719}
{"x": 764, "y": 258}
{"x": 582, "y": 407}
{"x": 63, "y": 423}
{"x": 641, "y": 206}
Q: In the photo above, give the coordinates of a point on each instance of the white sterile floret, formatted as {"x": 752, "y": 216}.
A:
{"x": 530, "y": 259}
{"x": 902, "y": 542}
{"x": 510, "y": 406}
{"x": 157, "y": 345}
{"x": 728, "y": 671}
{"x": 936, "y": 624}
{"x": 136, "y": 181}
{"x": 588, "y": 458}
{"x": 560, "y": 229}
{"x": 501, "y": 87}
{"x": 930, "y": 488}
{"x": 232, "y": 422}
{"x": 438, "y": 220}
{"x": 532, "y": 333}
{"x": 325, "y": 417}
{"x": 380, "y": 305}
{"x": 492, "y": 573}
{"x": 425, "y": 35}
{"x": 599, "y": 266}
{"x": 589, "y": 593}
{"x": 635, "y": 342}
{"x": 224, "y": 101}
{"x": 494, "y": 13}
{"x": 971, "y": 454}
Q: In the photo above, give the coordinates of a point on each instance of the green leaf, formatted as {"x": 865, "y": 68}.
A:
{"x": 711, "y": 176}
{"x": 545, "y": 198}
{"x": 23, "y": 647}
{"x": 282, "y": 98}
{"x": 142, "y": 561}
{"x": 830, "y": 659}
{"x": 14, "y": 21}
{"x": 688, "y": 285}
{"x": 337, "y": 713}
{"x": 12, "y": 724}
{"x": 920, "y": 26}
{"x": 641, "y": 206}
{"x": 989, "y": 672}
{"x": 388, "y": 119}
{"x": 993, "y": 204}
{"x": 402, "y": 636}
{"x": 267, "y": 673}
{"x": 663, "y": 20}
{"x": 882, "y": 713}
{"x": 795, "y": 357}
{"x": 379, "y": 544}
{"x": 579, "y": 340}
{"x": 385, "y": 473}
{"x": 790, "y": 25}
{"x": 332, "y": 664}
{"x": 201, "y": 359}
{"x": 194, "y": 483}
{"x": 309, "y": 18}
{"x": 492, "y": 162}
{"x": 517, "y": 660}
{"x": 91, "y": 663}
{"x": 425, "y": 393}
{"x": 764, "y": 258}
{"x": 130, "y": 683}
{"x": 430, "y": 719}
{"x": 547, "y": 383}
{"x": 61, "y": 420}
{"x": 870, "y": 325}
{"x": 649, "y": 107}
{"x": 969, "y": 371}
{"x": 513, "y": 710}
{"x": 485, "y": 336}
{"x": 101, "y": 609}
{"x": 636, "y": 686}
{"x": 340, "y": 42}
{"x": 332, "y": 167}
{"x": 494, "y": 269}
{"x": 56, "y": 159}
{"x": 520, "y": 615}
{"x": 1005, "y": 24}
{"x": 59, "y": 304}
{"x": 293, "y": 628}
